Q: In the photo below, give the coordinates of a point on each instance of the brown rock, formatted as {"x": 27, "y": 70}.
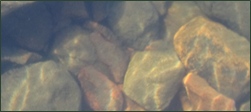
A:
{"x": 101, "y": 93}
{"x": 219, "y": 55}
{"x": 202, "y": 97}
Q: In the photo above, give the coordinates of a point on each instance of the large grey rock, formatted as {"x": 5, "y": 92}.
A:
{"x": 30, "y": 26}
{"x": 40, "y": 86}
{"x": 153, "y": 78}
{"x": 135, "y": 22}
{"x": 233, "y": 14}
{"x": 218, "y": 54}
{"x": 74, "y": 49}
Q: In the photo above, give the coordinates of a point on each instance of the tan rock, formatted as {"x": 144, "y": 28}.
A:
{"x": 202, "y": 97}
{"x": 219, "y": 55}
{"x": 153, "y": 78}
{"x": 101, "y": 93}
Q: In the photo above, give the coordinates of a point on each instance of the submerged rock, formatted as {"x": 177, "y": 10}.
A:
{"x": 100, "y": 92}
{"x": 40, "y": 86}
{"x": 219, "y": 55}
{"x": 153, "y": 78}
{"x": 202, "y": 97}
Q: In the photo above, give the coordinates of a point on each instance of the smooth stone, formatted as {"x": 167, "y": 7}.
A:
{"x": 39, "y": 87}
{"x": 219, "y": 55}
{"x": 101, "y": 93}
{"x": 201, "y": 97}
{"x": 74, "y": 49}
{"x": 153, "y": 78}
{"x": 134, "y": 22}
{"x": 234, "y": 15}
{"x": 29, "y": 26}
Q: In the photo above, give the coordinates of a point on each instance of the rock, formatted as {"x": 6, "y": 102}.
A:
{"x": 245, "y": 106}
{"x": 153, "y": 78}
{"x": 134, "y": 22}
{"x": 202, "y": 97}
{"x": 101, "y": 93}
{"x": 219, "y": 55}
{"x": 40, "y": 86}
{"x": 112, "y": 55}
{"x": 179, "y": 13}
{"x": 29, "y": 26}
{"x": 234, "y": 15}
{"x": 74, "y": 49}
